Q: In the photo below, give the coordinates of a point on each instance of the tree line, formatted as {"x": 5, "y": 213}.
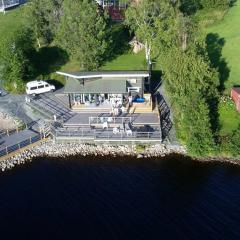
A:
{"x": 79, "y": 27}
{"x": 173, "y": 39}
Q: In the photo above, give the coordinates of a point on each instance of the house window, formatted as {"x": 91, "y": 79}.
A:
{"x": 132, "y": 80}
{"x": 134, "y": 89}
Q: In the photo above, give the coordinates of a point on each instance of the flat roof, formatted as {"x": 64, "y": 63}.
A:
{"x": 103, "y": 85}
{"x": 105, "y": 74}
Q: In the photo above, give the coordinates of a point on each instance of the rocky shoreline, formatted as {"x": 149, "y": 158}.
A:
{"x": 229, "y": 160}
{"x": 52, "y": 149}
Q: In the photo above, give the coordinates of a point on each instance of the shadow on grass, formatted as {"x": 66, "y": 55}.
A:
{"x": 58, "y": 85}
{"x": 48, "y": 60}
{"x": 232, "y": 3}
{"x": 215, "y": 45}
{"x": 120, "y": 37}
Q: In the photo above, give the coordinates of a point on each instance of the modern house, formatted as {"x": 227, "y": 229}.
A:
{"x": 102, "y": 107}
{"x": 105, "y": 90}
{"x": 5, "y": 4}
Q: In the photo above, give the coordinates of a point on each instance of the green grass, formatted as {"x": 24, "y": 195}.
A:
{"x": 229, "y": 118}
{"x": 11, "y": 20}
{"x": 127, "y": 61}
{"x": 229, "y": 30}
{"x": 227, "y": 58}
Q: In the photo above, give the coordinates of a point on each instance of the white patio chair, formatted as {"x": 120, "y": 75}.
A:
{"x": 115, "y": 130}
{"x": 129, "y": 132}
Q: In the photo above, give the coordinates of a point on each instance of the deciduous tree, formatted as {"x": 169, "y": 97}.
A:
{"x": 15, "y": 50}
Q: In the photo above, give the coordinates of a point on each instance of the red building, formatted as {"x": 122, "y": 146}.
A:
{"x": 235, "y": 95}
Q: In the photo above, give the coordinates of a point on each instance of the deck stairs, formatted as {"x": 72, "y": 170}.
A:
{"x": 45, "y": 128}
{"x": 49, "y": 106}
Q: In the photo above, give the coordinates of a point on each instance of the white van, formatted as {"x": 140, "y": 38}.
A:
{"x": 37, "y": 87}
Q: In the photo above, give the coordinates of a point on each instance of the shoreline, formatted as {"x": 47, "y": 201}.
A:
{"x": 51, "y": 149}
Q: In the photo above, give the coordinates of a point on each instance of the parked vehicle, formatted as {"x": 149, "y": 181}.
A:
{"x": 38, "y": 87}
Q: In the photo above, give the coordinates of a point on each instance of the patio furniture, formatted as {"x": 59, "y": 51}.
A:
{"x": 115, "y": 130}
{"x": 110, "y": 119}
{"x": 129, "y": 132}
{"x": 105, "y": 125}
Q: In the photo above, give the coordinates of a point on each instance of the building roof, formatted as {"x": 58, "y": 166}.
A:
{"x": 105, "y": 74}
{"x": 102, "y": 85}
{"x": 236, "y": 89}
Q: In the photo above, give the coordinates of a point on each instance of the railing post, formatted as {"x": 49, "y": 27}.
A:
{"x": 6, "y": 150}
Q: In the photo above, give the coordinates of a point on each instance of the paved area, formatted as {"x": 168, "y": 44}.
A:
{"x": 16, "y": 138}
{"x": 15, "y": 106}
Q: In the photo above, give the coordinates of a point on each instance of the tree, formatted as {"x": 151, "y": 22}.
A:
{"x": 82, "y": 32}
{"x": 192, "y": 87}
{"x": 215, "y": 3}
{"x": 44, "y": 18}
{"x": 143, "y": 19}
{"x": 15, "y": 50}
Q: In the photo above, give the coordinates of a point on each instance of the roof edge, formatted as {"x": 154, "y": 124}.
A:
{"x": 143, "y": 74}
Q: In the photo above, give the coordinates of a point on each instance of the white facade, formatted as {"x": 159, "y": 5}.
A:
{"x": 5, "y": 4}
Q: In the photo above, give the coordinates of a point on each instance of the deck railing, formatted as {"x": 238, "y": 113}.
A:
{"x": 15, "y": 147}
{"x": 109, "y": 119}
{"x": 109, "y": 135}
{"x": 8, "y": 132}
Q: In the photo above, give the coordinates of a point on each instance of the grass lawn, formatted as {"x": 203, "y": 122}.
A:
{"x": 127, "y": 61}
{"x": 229, "y": 118}
{"x": 11, "y": 20}
{"x": 228, "y": 32}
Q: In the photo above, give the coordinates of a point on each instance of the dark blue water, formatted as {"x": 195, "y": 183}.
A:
{"x": 87, "y": 198}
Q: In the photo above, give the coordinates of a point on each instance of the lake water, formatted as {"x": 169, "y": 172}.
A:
{"x": 86, "y": 198}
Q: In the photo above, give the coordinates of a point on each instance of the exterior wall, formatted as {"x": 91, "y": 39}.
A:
{"x": 137, "y": 82}
{"x": 235, "y": 94}
{"x": 4, "y": 4}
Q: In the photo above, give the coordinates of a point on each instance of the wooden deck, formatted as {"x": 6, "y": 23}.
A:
{"x": 82, "y": 119}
